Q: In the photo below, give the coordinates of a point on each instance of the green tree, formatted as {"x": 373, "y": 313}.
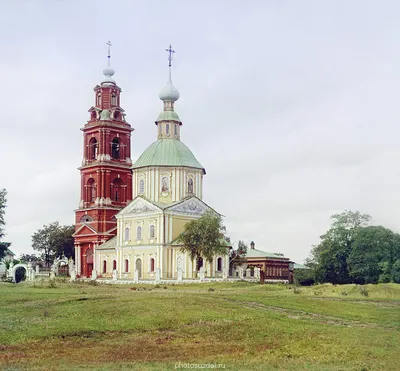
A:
{"x": 237, "y": 256}
{"x": 373, "y": 253}
{"x": 54, "y": 240}
{"x": 329, "y": 257}
{"x": 3, "y": 204}
{"x": 204, "y": 237}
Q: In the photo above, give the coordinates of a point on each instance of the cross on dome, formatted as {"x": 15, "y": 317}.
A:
{"x": 169, "y": 93}
{"x": 108, "y": 72}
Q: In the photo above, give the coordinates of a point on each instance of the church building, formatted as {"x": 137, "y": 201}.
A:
{"x": 130, "y": 214}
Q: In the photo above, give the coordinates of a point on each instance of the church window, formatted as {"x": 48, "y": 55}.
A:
{"x": 126, "y": 234}
{"x": 152, "y": 232}
{"x": 114, "y": 264}
{"x": 104, "y": 266}
{"x": 190, "y": 185}
{"x": 151, "y": 265}
{"x": 115, "y": 147}
{"x": 141, "y": 186}
{"x": 139, "y": 233}
{"x": 176, "y": 130}
{"x": 167, "y": 129}
{"x": 117, "y": 190}
{"x": 98, "y": 100}
{"x": 93, "y": 149}
{"x": 219, "y": 264}
{"x": 113, "y": 99}
{"x": 91, "y": 190}
{"x": 126, "y": 265}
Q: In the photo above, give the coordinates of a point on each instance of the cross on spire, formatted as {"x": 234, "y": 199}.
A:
{"x": 170, "y": 52}
{"x": 109, "y": 52}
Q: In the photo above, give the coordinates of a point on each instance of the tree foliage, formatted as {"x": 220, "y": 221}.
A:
{"x": 237, "y": 256}
{"x": 3, "y": 204}
{"x": 54, "y": 240}
{"x": 204, "y": 237}
{"x": 351, "y": 251}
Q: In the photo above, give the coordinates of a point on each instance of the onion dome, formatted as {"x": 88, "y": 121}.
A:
{"x": 169, "y": 93}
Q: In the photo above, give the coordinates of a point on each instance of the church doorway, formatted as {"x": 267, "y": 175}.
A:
{"x": 139, "y": 267}
{"x": 89, "y": 262}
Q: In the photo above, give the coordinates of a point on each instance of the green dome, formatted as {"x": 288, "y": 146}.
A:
{"x": 167, "y": 152}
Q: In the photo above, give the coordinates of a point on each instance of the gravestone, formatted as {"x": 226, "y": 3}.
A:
{"x": 94, "y": 275}
{"x": 37, "y": 269}
{"x": 248, "y": 273}
{"x": 240, "y": 270}
{"x": 225, "y": 273}
{"x": 158, "y": 275}
{"x": 202, "y": 274}
{"x": 114, "y": 275}
{"x": 73, "y": 275}
{"x": 180, "y": 275}
{"x": 136, "y": 275}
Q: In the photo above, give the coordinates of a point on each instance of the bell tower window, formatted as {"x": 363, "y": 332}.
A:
{"x": 117, "y": 189}
{"x": 115, "y": 147}
{"x": 91, "y": 190}
{"x": 93, "y": 149}
{"x": 167, "y": 129}
{"x": 176, "y": 130}
{"x": 113, "y": 99}
{"x": 98, "y": 100}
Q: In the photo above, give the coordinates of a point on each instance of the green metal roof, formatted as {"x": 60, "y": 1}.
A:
{"x": 300, "y": 266}
{"x": 110, "y": 244}
{"x": 167, "y": 152}
{"x": 168, "y": 116}
{"x": 254, "y": 253}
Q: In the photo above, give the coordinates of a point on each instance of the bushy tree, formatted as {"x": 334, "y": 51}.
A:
{"x": 54, "y": 240}
{"x": 353, "y": 252}
{"x": 237, "y": 256}
{"x": 204, "y": 237}
{"x": 3, "y": 204}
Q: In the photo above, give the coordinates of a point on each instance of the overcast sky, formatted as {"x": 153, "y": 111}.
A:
{"x": 291, "y": 106}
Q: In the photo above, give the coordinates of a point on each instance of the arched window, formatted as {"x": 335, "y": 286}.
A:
{"x": 89, "y": 256}
{"x": 104, "y": 266}
{"x": 176, "y": 130}
{"x": 93, "y": 148}
{"x": 190, "y": 185}
{"x": 152, "y": 231}
{"x": 126, "y": 265}
{"x": 139, "y": 233}
{"x": 117, "y": 193}
{"x": 113, "y": 99}
{"x": 141, "y": 186}
{"x": 126, "y": 234}
{"x": 114, "y": 264}
{"x": 91, "y": 190}
{"x": 167, "y": 129}
{"x": 98, "y": 100}
{"x": 219, "y": 264}
{"x": 151, "y": 265}
{"x": 115, "y": 147}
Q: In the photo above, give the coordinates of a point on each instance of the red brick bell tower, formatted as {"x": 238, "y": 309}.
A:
{"x": 106, "y": 178}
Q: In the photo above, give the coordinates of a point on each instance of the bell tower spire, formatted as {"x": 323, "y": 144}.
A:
{"x": 106, "y": 177}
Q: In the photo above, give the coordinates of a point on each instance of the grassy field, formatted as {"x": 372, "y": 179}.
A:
{"x": 241, "y": 326}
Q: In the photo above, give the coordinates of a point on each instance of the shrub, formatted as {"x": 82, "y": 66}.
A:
{"x": 304, "y": 277}
{"x": 211, "y": 289}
